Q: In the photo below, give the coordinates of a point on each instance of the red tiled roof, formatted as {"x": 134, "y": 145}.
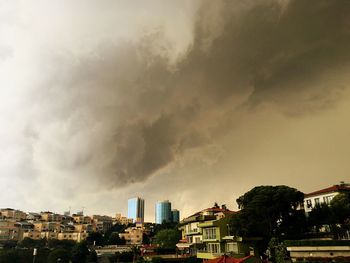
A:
{"x": 227, "y": 259}
{"x": 332, "y": 189}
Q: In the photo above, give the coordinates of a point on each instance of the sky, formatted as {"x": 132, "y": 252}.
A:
{"x": 194, "y": 102}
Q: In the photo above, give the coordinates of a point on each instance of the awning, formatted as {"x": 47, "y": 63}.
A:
{"x": 183, "y": 245}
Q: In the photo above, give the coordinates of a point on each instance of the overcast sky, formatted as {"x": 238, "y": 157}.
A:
{"x": 192, "y": 101}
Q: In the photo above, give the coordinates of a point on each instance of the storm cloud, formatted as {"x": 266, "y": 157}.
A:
{"x": 119, "y": 111}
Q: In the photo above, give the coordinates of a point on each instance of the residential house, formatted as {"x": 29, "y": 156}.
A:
{"x": 324, "y": 195}
{"x": 206, "y": 235}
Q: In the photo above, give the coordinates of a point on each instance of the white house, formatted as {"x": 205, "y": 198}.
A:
{"x": 324, "y": 195}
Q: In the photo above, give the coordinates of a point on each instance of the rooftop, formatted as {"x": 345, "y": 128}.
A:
{"x": 332, "y": 189}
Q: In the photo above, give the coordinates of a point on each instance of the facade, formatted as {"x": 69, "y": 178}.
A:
{"x": 175, "y": 216}
{"x": 324, "y": 196}
{"x": 36, "y": 235}
{"x": 136, "y": 209}
{"x": 81, "y": 219}
{"x": 47, "y": 226}
{"x": 9, "y": 213}
{"x": 123, "y": 220}
{"x": 133, "y": 235}
{"x": 51, "y": 217}
{"x": 8, "y": 230}
{"x": 102, "y": 223}
{"x": 163, "y": 212}
{"x": 75, "y": 236}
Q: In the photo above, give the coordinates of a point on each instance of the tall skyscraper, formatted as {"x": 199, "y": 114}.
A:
{"x": 136, "y": 209}
{"x": 175, "y": 216}
{"x": 163, "y": 212}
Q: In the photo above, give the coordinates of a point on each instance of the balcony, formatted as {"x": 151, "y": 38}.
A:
{"x": 208, "y": 255}
{"x": 193, "y": 232}
{"x": 207, "y": 224}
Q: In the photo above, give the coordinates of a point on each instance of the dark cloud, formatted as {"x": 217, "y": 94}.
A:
{"x": 140, "y": 111}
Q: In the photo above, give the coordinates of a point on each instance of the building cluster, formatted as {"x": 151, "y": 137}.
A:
{"x": 206, "y": 234}
{"x": 15, "y": 225}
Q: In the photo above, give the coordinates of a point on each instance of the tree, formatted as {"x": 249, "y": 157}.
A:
{"x": 278, "y": 251}
{"x": 340, "y": 206}
{"x": 114, "y": 239}
{"x": 319, "y": 216}
{"x": 145, "y": 239}
{"x": 95, "y": 238}
{"x": 268, "y": 211}
{"x": 59, "y": 255}
{"x": 65, "y": 244}
{"x": 92, "y": 258}
{"x": 32, "y": 243}
{"x": 80, "y": 252}
{"x": 168, "y": 238}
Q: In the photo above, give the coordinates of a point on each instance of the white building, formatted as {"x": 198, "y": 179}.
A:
{"x": 324, "y": 195}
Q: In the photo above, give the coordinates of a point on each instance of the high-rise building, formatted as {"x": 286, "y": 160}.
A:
{"x": 163, "y": 212}
{"x": 175, "y": 216}
{"x": 136, "y": 209}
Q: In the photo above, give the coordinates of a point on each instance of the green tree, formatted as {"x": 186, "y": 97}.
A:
{"x": 14, "y": 256}
{"x": 31, "y": 243}
{"x": 92, "y": 258}
{"x": 268, "y": 211}
{"x": 320, "y": 216}
{"x": 340, "y": 206}
{"x": 65, "y": 244}
{"x": 114, "y": 239}
{"x": 145, "y": 239}
{"x": 278, "y": 250}
{"x": 80, "y": 252}
{"x": 168, "y": 238}
{"x": 95, "y": 238}
{"x": 59, "y": 255}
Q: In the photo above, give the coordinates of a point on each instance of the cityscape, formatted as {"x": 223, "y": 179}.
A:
{"x": 189, "y": 131}
{"x": 207, "y": 234}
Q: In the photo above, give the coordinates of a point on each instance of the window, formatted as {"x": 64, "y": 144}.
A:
{"x": 232, "y": 247}
{"x": 317, "y": 201}
{"x": 197, "y": 240}
{"x": 308, "y": 203}
{"x": 327, "y": 199}
{"x": 213, "y": 248}
{"x": 210, "y": 233}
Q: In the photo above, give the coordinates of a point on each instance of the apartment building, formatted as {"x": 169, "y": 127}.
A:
{"x": 9, "y": 213}
{"x": 133, "y": 235}
{"x": 123, "y": 220}
{"x": 8, "y": 230}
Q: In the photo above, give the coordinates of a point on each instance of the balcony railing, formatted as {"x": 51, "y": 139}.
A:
{"x": 193, "y": 231}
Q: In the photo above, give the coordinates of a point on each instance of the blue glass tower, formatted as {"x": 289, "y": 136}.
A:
{"x": 175, "y": 216}
{"x": 136, "y": 209}
{"x": 163, "y": 212}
